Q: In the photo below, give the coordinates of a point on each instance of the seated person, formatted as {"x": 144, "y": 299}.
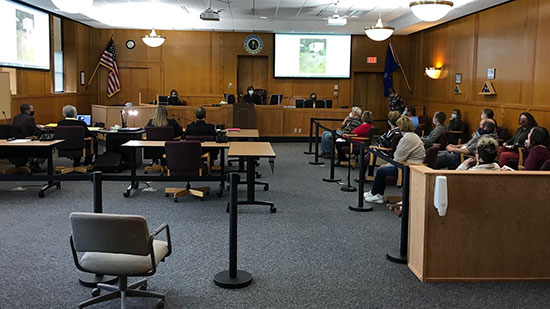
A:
{"x": 485, "y": 155}
{"x": 251, "y": 97}
{"x": 410, "y": 111}
{"x": 435, "y": 134}
{"x": 385, "y": 140}
{"x": 410, "y": 149}
{"x": 174, "y": 98}
{"x": 455, "y": 124}
{"x": 488, "y": 113}
{"x": 160, "y": 119}
{"x": 201, "y": 128}
{"x": 313, "y": 97}
{"x": 450, "y": 158}
{"x": 537, "y": 143}
{"x": 69, "y": 112}
{"x": 24, "y": 122}
{"x": 361, "y": 131}
{"x": 352, "y": 121}
{"x": 508, "y": 152}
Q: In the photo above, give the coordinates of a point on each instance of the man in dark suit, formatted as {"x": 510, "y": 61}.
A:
{"x": 201, "y": 128}
{"x": 24, "y": 122}
{"x": 69, "y": 112}
{"x": 251, "y": 97}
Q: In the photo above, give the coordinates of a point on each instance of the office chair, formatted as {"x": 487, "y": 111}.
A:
{"x": 118, "y": 245}
{"x": 262, "y": 93}
{"x": 185, "y": 158}
{"x": 157, "y": 134}
{"x": 213, "y": 152}
{"x": 73, "y": 147}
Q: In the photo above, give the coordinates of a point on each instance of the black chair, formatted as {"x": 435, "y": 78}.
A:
{"x": 262, "y": 93}
{"x": 185, "y": 158}
{"x": 73, "y": 147}
{"x": 275, "y": 99}
{"x": 299, "y": 103}
{"x": 157, "y": 134}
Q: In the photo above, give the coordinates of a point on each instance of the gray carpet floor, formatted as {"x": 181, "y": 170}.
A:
{"x": 312, "y": 253}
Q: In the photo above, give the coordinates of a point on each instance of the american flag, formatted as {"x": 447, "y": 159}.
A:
{"x": 108, "y": 60}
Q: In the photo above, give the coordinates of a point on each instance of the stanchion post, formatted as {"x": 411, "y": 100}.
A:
{"x": 332, "y": 152}
{"x": 88, "y": 279}
{"x": 348, "y": 187}
{"x": 233, "y": 278}
{"x": 401, "y": 256}
{"x": 310, "y": 140}
{"x": 360, "y": 203}
{"x": 316, "y": 162}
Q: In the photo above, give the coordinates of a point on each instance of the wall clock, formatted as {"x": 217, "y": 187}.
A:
{"x": 130, "y": 44}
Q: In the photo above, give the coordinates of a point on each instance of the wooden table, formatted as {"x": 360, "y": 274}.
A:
{"x": 139, "y": 144}
{"x": 251, "y": 151}
{"x": 243, "y": 134}
{"x": 32, "y": 149}
{"x": 115, "y": 139}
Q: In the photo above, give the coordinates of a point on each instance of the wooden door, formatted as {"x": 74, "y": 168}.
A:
{"x": 133, "y": 80}
{"x": 368, "y": 92}
{"x": 251, "y": 70}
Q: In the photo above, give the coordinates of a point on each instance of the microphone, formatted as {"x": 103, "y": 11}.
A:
{"x": 179, "y": 120}
{"x": 7, "y": 120}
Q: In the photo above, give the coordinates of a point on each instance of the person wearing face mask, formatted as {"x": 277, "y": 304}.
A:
{"x": 313, "y": 97}
{"x": 385, "y": 140}
{"x": 250, "y": 97}
{"x": 410, "y": 111}
{"x": 352, "y": 121}
{"x": 450, "y": 158}
{"x": 508, "y": 152}
{"x": 455, "y": 124}
{"x": 174, "y": 98}
{"x": 24, "y": 122}
{"x": 487, "y": 114}
{"x": 435, "y": 134}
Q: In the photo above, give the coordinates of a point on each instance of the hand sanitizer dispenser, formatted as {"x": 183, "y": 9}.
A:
{"x": 440, "y": 195}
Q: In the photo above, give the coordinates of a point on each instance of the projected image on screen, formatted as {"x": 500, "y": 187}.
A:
{"x": 313, "y": 55}
{"x": 26, "y": 36}
{"x": 24, "y": 24}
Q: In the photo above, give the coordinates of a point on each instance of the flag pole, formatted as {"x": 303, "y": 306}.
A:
{"x": 399, "y": 63}
{"x": 97, "y": 67}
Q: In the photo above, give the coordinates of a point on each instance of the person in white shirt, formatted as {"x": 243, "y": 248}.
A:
{"x": 486, "y": 154}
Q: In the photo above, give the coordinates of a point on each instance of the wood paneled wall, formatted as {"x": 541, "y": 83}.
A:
{"x": 511, "y": 38}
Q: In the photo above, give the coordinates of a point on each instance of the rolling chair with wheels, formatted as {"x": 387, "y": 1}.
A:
{"x": 157, "y": 134}
{"x": 73, "y": 147}
{"x": 185, "y": 158}
{"x": 118, "y": 245}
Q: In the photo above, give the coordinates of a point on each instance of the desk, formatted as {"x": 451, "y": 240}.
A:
{"x": 139, "y": 144}
{"x": 251, "y": 151}
{"x": 32, "y": 149}
{"x": 114, "y": 141}
{"x": 243, "y": 134}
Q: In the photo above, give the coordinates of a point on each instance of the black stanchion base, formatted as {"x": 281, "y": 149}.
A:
{"x": 360, "y": 209}
{"x": 223, "y": 280}
{"x": 309, "y": 152}
{"x": 316, "y": 163}
{"x": 347, "y": 188}
{"x": 91, "y": 280}
{"x": 396, "y": 257}
{"x": 331, "y": 180}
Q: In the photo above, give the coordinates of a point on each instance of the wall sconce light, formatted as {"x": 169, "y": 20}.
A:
{"x": 433, "y": 72}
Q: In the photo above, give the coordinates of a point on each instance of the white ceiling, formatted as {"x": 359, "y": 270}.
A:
{"x": 281, "y": 16}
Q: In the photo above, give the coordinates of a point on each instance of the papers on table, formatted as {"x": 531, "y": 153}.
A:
{"x": 19, "y": 141}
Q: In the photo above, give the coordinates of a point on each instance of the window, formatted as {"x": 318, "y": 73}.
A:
{"x": 58, "y": 63}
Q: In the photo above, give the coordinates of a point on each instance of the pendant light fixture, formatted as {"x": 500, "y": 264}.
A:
{"x": 430, "y": 10}
{"x": 153, "y": 40}
{"x": 73, "y": 6}
{"x": 379, "y": 32}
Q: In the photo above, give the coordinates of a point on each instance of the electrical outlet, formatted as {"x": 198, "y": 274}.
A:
{"x": 295, "y": 130}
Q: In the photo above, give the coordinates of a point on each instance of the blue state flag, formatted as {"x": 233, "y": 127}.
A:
{"x": 391, "y": 66}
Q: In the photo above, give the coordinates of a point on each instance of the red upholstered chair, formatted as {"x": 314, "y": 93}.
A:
{"x": 165, "y": 133}
{"x": 73, "y": 147}
{"x": 185, "y": 158}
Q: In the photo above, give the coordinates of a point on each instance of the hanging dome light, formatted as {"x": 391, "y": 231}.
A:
{"x": 379, "y": 32}
{"x": 153, "y": 40}
{"x": 73, "y": 6}
{"x": 431, "y": 10}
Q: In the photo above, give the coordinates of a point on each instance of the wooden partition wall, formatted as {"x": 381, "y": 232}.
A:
{"x": 512, "y": 38}
{"x": 496, "y": 226}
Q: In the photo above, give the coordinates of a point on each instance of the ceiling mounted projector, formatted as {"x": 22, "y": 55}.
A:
{"x": 336, "y": 20}
{"x": 210, "y": 15}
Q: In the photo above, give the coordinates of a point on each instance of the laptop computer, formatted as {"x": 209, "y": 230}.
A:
{"x": 86, "y": 118}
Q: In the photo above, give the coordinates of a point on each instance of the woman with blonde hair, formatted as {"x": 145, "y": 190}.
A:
{"x": 160, "y": 119}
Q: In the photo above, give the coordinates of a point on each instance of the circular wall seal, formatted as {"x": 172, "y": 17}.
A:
{"x": 253, "y": 44}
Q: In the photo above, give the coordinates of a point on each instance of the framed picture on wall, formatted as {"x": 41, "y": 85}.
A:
{"x": 458, "y": 78}
{"x": 491, "y": 73}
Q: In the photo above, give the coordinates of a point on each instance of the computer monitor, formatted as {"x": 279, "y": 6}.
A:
{"x": 299, "y": 103}
{"x": 229, "y": 98}
{"x": 163, "y": 100}
{"x": 308, "y": 103}
{"x": 275, "y": 99}
{"x": 86, "y": 118}
{"x": 323, "y": 104}
{"x": 328, "y": 103}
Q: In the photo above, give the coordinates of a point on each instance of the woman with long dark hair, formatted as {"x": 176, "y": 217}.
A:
{"x": 508, "y": 152}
